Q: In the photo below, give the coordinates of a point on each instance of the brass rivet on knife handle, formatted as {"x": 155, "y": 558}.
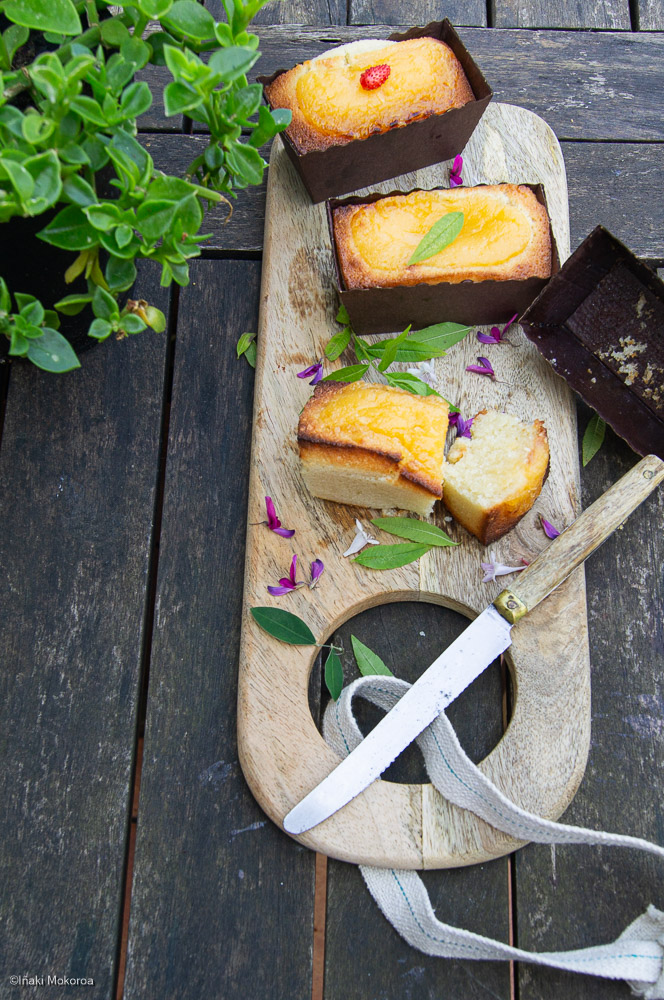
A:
{"x": 510, "y": 606}
{"x": 585, "y": 535}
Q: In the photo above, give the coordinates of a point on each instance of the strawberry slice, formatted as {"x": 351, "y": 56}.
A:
{"x": 375, "y": 77}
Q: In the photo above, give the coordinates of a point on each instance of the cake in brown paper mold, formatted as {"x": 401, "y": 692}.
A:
{"x": 383, "y": 309}
{"x": 362, "y": 162}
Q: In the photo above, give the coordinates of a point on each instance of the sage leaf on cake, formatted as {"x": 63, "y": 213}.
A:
{"x": 391, "y": 556}
{"x": 442, "y": 233}
{"x": 593, "y": 438}
{"x": 284, "y": 625}
{"x": 334, "y": 674}
{"x": 368, "y": 663}
{"x": 415, "y": 531}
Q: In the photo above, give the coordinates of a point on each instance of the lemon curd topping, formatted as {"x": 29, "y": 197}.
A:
{"x": 332, "y": 99}
{"x": 410, "y": 429}
{"x": 494, "y": 231}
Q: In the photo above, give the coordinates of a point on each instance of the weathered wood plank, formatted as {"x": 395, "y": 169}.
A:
{"x": 222, "y": 902}
{"x": 608, "y": 14}
{"x": 78, "y": 472}
{"x": 570, "y": 897}
{"x": 408, "y": 637}
{"x": 651, "y": 15}
{"x": 586, "y": 85}
{"x": 292, "y": 12}
{"x": 417, "y": 12}
{"x": 615, "y": 184}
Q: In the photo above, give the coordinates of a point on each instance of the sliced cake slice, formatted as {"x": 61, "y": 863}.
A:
{"x": 493, "y": 478}
{"x": 373, "y": 446}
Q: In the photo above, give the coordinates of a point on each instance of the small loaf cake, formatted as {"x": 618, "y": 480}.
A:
{"x": 373, "y": 445}
{"x": 505, "y": 235}
{"x": 333, "y": 101}
{"x": 494, "y": 478}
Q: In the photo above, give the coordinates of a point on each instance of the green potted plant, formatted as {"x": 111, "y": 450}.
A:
{"x": 71, "y": 163}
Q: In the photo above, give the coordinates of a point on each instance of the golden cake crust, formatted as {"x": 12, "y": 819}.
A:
{"x": 489, "y": 522}
{"x": 362, "y": 471}
{"x": 531, "y": 230}
{"x": 316, "y": 125}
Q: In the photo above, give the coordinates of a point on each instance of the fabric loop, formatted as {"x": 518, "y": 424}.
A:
{"x": 637, "y": 955}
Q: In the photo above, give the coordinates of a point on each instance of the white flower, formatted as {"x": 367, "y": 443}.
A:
{"x": 361, "y": 539}
{"x": 494, "y": 569}
{"x": 426, "y": 371}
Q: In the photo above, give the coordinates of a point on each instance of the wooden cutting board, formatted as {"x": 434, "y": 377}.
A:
{"x": 541, "y": 758}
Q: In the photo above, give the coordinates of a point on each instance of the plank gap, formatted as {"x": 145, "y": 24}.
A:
{"x": 147, "y": 641}
{"x": 634, "y": 15}
{"x": 320, "y": 913}
{"x": 4, "y": 391}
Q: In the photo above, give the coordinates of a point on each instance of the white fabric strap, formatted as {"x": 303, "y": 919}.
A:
{"x": 636, "y": 956}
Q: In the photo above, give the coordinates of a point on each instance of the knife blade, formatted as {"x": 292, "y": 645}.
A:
{"x": 449, "y": 674}
{"x": 482, "y": 641}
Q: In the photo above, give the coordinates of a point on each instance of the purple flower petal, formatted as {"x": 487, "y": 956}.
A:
{"x": 317, "y": 568}
{"x": 316, "y": 370}
{"x": 273, "y": 522}
{"x": 549, "y": 530}
{"x": 279, "y": 591}
{"x": 463, "y": 427}
{"x": 272, "y": 519}
{"x": 455, "y": 173}
{"x": 508, "y": 325}
{"x": 284, "y": 532}
{"x": 287, "y": 583}
{"x": 486, "y": 363}
{"x": 487, "y": 338}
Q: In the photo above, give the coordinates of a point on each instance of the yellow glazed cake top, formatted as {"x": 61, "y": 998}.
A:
{"x": 495, "y": 230}
{"x": 407, "y": 428}
{"x": 332, "y": 99}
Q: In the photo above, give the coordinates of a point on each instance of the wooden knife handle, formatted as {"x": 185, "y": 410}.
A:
{"x": 575, "y": 544}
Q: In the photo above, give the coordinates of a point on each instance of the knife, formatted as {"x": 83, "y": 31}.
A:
{"x": 482, "y": 641}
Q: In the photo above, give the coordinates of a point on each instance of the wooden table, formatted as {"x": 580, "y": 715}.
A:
{"x": 124, "y": 495}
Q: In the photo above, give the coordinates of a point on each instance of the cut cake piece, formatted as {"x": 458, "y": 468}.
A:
{"x": 373, "y": 445}
{"x": 493, "y": 478}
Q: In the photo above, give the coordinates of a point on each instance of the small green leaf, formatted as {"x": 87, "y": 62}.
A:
{"x": 100, "y": 329}
{"x": 593, "y": 438}
{"x": 113, "y": 31}
{"x": 155, "y": 217}
{"x": 155, "y": 9}
{"x": 368, "y": 663}
{"x": 36, "y": 128}
{"x": 243, "y": 343}
{"x": 88, "y": 109}
{"x": 72, "y": 305}
{"x": 189, "y": 18}
{"x": 342, "y": 316}
{"x": 361, "y": 349}
{"x": 155, "y": 319}
{"x": 442, "y": 335}
{"x": 442, "y": 233}
{"x": 58, "y": 16}
{"x": 337, "y": 344}
{"x": 390, "y": 350}
{"x": 284, "y": 626}
{"x": 69, "y": 230}
{"x": 120, "y": 274}
{"x": 334, "y": 674}
{"x": 415, "y": 531}
{"x": 52, "y": 352}
{"x": 136, "y": 99}
{"x": 180, "y": 97}
{"x": 352, "y": 373}
{"x": 131, "y": 323}
{"x": 250, "y": 355}
{"x": 410, "y": 352}
{"x": 21, "y": 180}
{"x": 233, "y": 62}
{"x": 78, "y": 191}
{"x": 391, "y": 556}
{"x": 104, "y": 305}
{"x": 411, "y": 383}
{"x": 245, "y": 163}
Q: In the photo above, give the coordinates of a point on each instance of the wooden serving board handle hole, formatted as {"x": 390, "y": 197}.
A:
{"x": 479, "y": 715}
